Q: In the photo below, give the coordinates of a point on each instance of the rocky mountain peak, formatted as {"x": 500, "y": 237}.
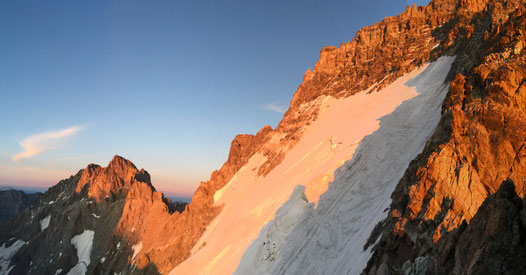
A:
{"x": 119, "y": 163}
{"x": 112, "y": 180}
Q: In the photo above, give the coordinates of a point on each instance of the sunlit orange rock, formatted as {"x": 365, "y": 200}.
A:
{"x": 480, "y": 141}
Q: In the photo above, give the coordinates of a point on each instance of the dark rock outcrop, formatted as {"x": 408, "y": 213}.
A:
{"x": 494, "y": 242}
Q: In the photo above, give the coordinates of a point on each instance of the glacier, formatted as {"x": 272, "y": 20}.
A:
{"x": 330, "y": 238}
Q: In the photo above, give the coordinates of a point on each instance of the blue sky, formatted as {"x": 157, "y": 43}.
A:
{"x": 166, "y": 84}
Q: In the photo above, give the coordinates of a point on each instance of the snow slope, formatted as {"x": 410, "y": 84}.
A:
{"x": 249, "y": 201}
{"x": 83, "y": 244}
{"x": 273, "y": 235}
{"x": 330, "y": 238}
{"x": 6, "y": 253}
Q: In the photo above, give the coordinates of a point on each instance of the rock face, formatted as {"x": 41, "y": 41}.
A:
{"x": 492, "y": 243}
{"x": 479, "y": 142}
{"x": 14, "y": 201}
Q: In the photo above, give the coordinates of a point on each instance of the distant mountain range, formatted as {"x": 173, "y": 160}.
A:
{"x": 13, "y": 201}
{"x": 26, "y": 189}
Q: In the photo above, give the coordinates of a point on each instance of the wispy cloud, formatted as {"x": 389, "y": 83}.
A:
{"x": 39, "y": 143}
{"x": 275, "y": 108}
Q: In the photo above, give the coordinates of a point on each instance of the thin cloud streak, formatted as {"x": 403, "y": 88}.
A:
{"x": 39, "y": 143}
{"x": 275, "y": 108}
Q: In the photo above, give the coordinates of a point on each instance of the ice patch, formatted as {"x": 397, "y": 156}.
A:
{"x": 6, "y": 253}
{"x": 136, "y": 249}
{"x": 83, "y": 244}
{"x": 102, "y": 260}
{"x": 44, "y": 223}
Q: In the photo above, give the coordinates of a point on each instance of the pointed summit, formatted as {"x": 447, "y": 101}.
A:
{"x": 117, "y": 177}
{"x": 119, "y": 162}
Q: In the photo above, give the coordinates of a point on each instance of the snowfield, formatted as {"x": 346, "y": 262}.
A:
{"x": 373, "y": 136}
{"x": 83, "y": 244}
{"x": 330, "y": 238}
{"x": 6, "y": 253}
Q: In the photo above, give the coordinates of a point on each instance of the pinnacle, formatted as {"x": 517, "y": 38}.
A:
{"x": 121, "y": 162}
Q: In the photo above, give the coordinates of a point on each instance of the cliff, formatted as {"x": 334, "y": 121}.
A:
{"x": 479, "y": 142}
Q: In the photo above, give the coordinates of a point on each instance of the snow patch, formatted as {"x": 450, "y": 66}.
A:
{"x": 330, "y": 239}
{"x": 6, "y": 253}
{"x": 96, "y": 216}
{"x": 436, "y": 46}
{"x": 102, "y": 260}
{"x": 83, "y": 243}
{"x": 136, "y": 249}
{"x": 58, "y": 271}
{"x": 44, "y": 223}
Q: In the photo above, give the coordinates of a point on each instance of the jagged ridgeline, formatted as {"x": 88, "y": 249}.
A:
{"x": 390, "y": 160}
{"x": 75, "y": 226}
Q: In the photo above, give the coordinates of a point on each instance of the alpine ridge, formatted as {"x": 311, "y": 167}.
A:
{"x": 403, "y": 151}
{"x": 82, "y": 225}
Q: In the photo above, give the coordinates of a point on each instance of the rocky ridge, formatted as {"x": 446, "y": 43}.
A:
{"x": 479, "y": 143}
{"x": 377, "y": 55}
{"x": 97, "y": 200}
